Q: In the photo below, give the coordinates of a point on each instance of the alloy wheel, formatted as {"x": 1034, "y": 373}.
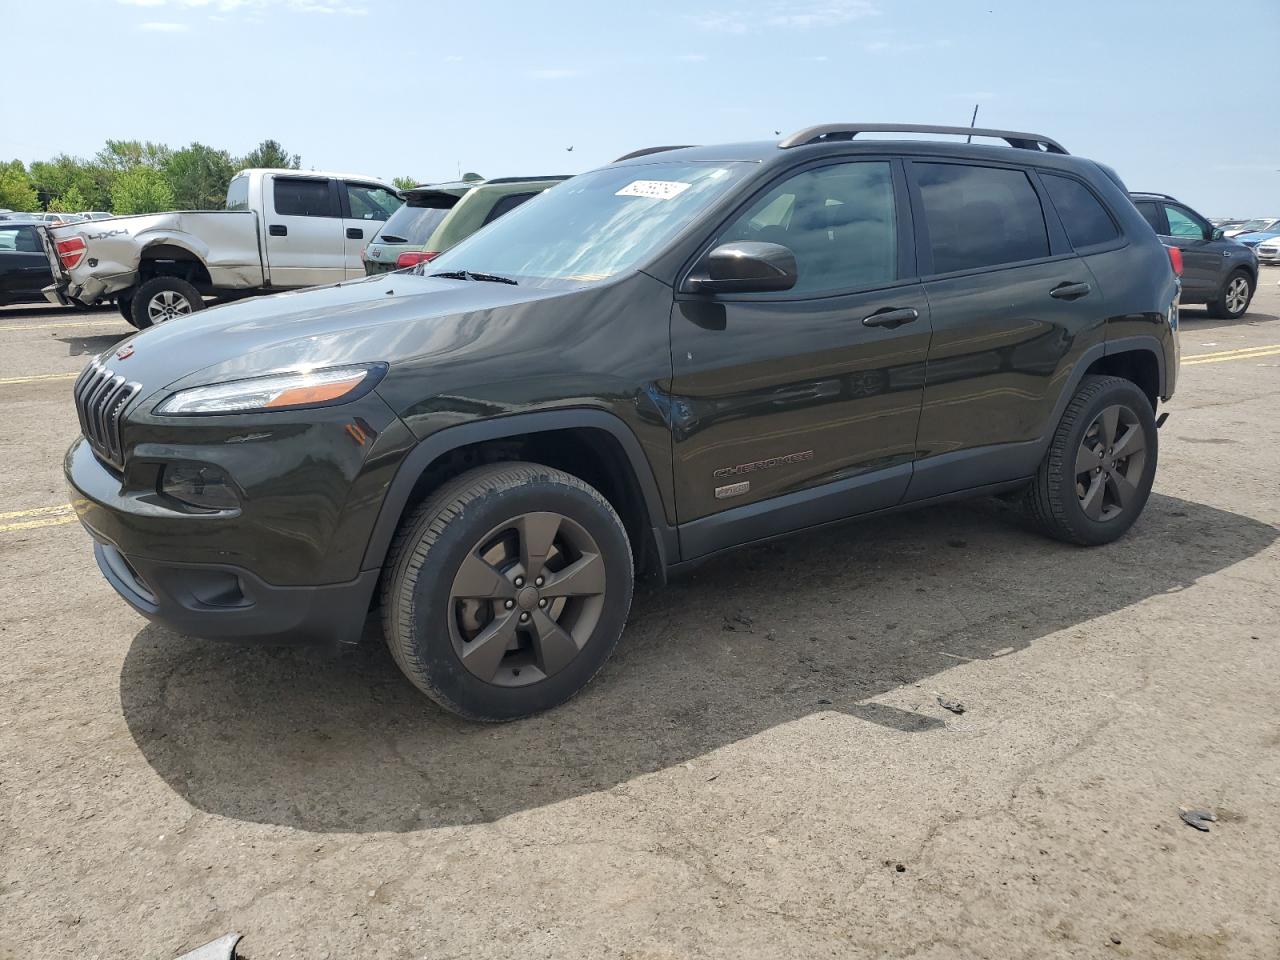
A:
{"x": 1109, "y": 463}
{"x": 166, "y": 305}
{"x": 1237, "y": 297}
{"x": 526, "y": 599}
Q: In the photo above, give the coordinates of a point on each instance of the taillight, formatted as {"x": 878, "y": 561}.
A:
{"x": 71, "y": 251}
{"x": 415, "y": 257}
{"x": 1175, "y": 258}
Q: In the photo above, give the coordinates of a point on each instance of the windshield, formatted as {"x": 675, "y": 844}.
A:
{"x": 412, "y": 224}
{"x": 1253, "y": 226}
{"x": 596, "y": 225}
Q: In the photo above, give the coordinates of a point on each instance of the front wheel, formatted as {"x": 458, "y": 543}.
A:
{"x": 1096, "y": 477}
{"x": 1233, "y": 300}
{"x": 506, "y": 590}
{"x": 164, "y": 298}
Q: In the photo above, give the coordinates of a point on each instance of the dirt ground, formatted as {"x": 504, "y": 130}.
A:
{"x": 762, "y": 770}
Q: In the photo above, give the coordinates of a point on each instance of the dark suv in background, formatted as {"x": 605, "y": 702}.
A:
{"x": 1216, "y": 270}
{"x": 665, "y": 358}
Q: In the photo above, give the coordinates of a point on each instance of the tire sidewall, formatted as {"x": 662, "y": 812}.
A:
{"x": 429, "y": 633}
{"x": 1095, "y": 531}
{"x": 144, "y": 293}
{"x": 1227, "y": 284}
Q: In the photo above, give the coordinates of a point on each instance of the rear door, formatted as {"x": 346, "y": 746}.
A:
{"x": 365, "y": 208}
{"x": 305, "y": 242}
{"x": 24, "y": 267}
{"x": 1012, "y": 306}
{"x": 1201, "y": 255}
{"x": 803, "y": 398}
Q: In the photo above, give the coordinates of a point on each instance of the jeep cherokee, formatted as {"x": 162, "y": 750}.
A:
{"x": 685, "y": 351}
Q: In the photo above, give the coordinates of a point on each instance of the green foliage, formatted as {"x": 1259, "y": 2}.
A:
{"x": 269, "y": 153}
{"x": 405, "y": 183}
{"x": 121, "y": 155}
{"x": 55, "y": 178}
{"x": 72, "y": 201}
{"x": 141, "y": 189}
{"x": 16, "y": 189}
{"x": 199, "y": 176}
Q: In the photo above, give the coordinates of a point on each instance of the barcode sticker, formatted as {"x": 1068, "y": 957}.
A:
{"x": 654, "y": 189}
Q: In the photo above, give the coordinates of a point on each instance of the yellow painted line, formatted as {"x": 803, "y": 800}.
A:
{"x": 42, "y": 376}
{"x": 32, "y": 524}
{"x": 1231, "y": 353}
{"x": 70, "y": 324}
{"x": 1257, "y": 354}
{"x": 37, "y": 512}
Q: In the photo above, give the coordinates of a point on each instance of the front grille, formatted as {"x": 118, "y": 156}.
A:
{"x": 1269, "y": 251}
{"x": 101, "y": 397}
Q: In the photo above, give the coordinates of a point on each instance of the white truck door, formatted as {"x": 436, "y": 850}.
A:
{"x": 365, "y": 207}
{"x": 305, "y": 245}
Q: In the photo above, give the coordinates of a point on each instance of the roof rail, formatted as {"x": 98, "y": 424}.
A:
{"x": 827, "y": 132}
{"x": 557, "y": 176}
{"x": 648, "y": 150}
{"x": 1149, "y": 193}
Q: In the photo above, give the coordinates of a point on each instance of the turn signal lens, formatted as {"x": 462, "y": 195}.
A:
{"x": 284, "y": 391}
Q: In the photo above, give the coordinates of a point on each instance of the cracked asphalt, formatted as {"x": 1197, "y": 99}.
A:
{"x": 763, "y": 770}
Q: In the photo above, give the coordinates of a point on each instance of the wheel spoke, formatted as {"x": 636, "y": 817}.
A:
{"x": 555, "y": 647}
{"x": 483, "y": 655}
{"x": 1121, "y": 489}
{"x": 1086, "y": 460}
{"x": 477, "y": 580}
{"x": 1091, "y": 502}
{"x": 1109, "y": 423}
{"x": 1131, "y": 442}
{"x": 582, "y": 578}
{"x": 537, "y": 534}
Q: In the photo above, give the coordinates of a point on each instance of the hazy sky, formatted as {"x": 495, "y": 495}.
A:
{"x": 1166, "y": 91}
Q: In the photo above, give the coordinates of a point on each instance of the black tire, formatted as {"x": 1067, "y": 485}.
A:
{"x": 1056, "y": 499}
{"x": 183, "y": 296}
{"x": 426, "y": 622}
{"x": 1228, "y": 305}
{"x": 124, "y": 303}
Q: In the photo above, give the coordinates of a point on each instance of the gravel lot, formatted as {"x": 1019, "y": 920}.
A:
{"x": 762, "y": 771}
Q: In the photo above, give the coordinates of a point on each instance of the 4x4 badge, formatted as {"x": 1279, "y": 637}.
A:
{"x": 125, "y": 352}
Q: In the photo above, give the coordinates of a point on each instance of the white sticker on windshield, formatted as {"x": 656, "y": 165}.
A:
{"x": 654, "y": 189}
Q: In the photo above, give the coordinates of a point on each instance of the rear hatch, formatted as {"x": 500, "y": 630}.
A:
{"x": 408, "y": 229}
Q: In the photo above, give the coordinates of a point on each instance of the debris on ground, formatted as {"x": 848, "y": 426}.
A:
{"x": 737, "y": 621}
{"x": 1200, "y": 819}
{"x": 955, "y": 706}
{"x": 1115, "y": 938}
{"x": 224, "y": 948}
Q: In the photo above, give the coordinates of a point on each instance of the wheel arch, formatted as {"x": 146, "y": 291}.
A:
{"x": 594, "y": 445}
{"x": 1140, "y": 360}
{"x": 166, "y": 255}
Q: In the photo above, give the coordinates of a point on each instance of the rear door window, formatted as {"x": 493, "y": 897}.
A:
{"x": 1083, "y": 216}
{"x": 980, "y": 216}
{"x": 295, "y": 197}
{"x": 507, "y": 204}
{"x": 1151, "y": 213}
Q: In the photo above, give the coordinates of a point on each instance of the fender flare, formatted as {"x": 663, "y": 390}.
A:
{"x": 1107, "y": 348}
{"x": 443, "y": 442}
{"x": 171, "y": 238}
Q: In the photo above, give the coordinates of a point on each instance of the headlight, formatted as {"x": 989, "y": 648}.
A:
{"x": 281, "y": 391}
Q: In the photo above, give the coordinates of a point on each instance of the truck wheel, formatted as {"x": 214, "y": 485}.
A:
{"x": 124, "y": 303}
{"x": 506, "y": 590}
{"x": 1097, "y": 475}
{"x": 163, "y": 298}
{"x": 1233, "y": 299}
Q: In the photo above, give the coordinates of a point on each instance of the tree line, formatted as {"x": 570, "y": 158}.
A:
{"x": 134, "y": 176}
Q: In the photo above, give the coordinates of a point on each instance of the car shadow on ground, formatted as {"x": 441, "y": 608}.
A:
{"x": 823, "y": 621}
{"x": 81, "y": 346}
{"x": 1196, "y": 320}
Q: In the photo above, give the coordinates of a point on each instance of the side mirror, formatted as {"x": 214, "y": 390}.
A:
{"x": 1217, "y": 234}
{"x": 745, "y": 266}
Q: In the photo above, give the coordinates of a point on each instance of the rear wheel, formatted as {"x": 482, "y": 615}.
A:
{"x": 507, "y": 590}
{"x": 164, "y": 298}
{"x": 124, "y": 303}
{"x": 1097, "y": 475}
{"x": 1234, "y": 297}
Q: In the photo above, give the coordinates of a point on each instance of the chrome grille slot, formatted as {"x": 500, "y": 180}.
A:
{"x": 101, "y": 397}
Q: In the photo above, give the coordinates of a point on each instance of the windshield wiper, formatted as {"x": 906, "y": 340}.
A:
{"x": 470, "y": 275}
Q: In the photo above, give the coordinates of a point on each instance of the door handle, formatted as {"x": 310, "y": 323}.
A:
{"x": 1070, "y": 291}
{"x": 355, "y": 233}
{"x": 891, "y": 317}
{"x": 278, "y": 230}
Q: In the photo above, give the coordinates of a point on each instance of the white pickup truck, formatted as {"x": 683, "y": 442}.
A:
{"x": 282, "y": 229}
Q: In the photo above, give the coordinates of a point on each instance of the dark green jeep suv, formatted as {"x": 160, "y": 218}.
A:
{"x": 686, "y": 351}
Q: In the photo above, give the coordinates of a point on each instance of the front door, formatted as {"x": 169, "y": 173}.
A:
{"x": 24, "y": 266}
{"x": 802, "y": 406}
{"x": 366, "y": 207}
{"x": 305, "y": 242}
{"x": 1201, "y": 255}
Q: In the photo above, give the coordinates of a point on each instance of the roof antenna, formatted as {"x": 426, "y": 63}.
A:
{"x": 972, "y": 121}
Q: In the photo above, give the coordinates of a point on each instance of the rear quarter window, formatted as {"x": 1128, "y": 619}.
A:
{"x": 238, "y": 194}
{"x": 980, "y": 216}
{"x": 507, "y": 204}
{"x": 1083, "y": 216}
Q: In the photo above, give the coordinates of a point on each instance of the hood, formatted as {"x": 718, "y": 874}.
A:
{"x": 388, "y": 318}
{"x": 1252, "y": 238}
